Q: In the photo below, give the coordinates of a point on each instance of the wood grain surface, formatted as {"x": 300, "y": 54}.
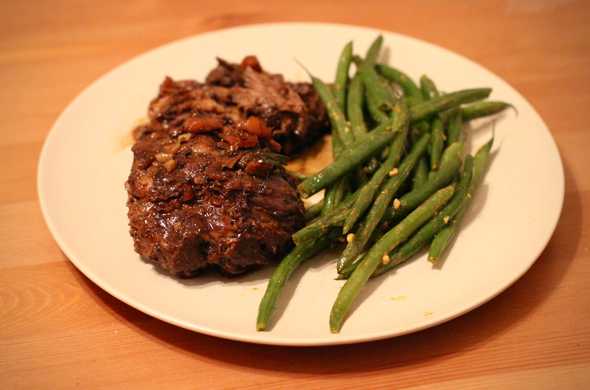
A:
{"x": 58, "y": 330}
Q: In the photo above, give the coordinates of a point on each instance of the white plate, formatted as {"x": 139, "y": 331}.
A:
{"x": 85, "y": 162}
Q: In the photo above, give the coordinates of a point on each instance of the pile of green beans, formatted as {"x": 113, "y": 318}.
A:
{"x": 390, "y": 188}
{"x": 401, "y": 180}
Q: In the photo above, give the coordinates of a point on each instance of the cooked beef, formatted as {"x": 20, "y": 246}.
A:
{"x": 207, "y": 187}
{"x": 293, "y": 110}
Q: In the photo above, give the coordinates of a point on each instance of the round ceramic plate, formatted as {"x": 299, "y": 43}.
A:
{"x": 86, "y": 160}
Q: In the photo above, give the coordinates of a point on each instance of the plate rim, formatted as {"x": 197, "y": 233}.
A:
{"x": 260, "y": 339}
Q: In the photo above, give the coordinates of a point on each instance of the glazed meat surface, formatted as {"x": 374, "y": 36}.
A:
{"x": 207, "y": 187}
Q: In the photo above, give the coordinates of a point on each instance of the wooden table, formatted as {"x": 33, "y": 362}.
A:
{"x": 58, "y": 330}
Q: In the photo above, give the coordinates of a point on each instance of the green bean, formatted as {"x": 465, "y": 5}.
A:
{"x": 375, "y": 110}
{"x": 412, "y": 93}
{"x": 346, "y": 271}
{"x": 444, "y": 238}
{"x": 350, "y": 158}
{"x": 441, "y": 103}
{"x": 428, "y": 88}
{"x": 430, "y": 91}
{"x": 282, "y": 273}
{"x": 411, "y": 90}
{"x": 485, "y": 108}
{"x": 314, "y": 210}
{"x": 357, "y": 121}
{"x": 420, "y": 173}
{"x": 322, "y": 225}
{"x": 375, "y": 214}
{"x": 334, "y": 195}
{"x": 342, "y": 76}
{"x": 480, "y": 163}
{"x": 380, "y": 98}
{"x": 441, "y": 242}
{"x": 438, "y": 222}
{"x": 368, "y": 192}
{"x": 334, "y": 192}
{"x": 477, "y": 110}
{"x": 374, "y": 50}
{"x": 325, "y": 223}
{"x": 455, "y": 127}
{"x": 449, "y": 165}
{"x": 423, "y": 110}
{"x": 342, "y": 135}
{"x": 337, "y": 118}
{"x": 379, "y": 253}
{"x": 355, "y": 106}
{"x": 437, "y": 144}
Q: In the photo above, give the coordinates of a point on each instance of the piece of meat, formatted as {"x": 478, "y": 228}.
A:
{"x": 206, "y": 188}
{"x": 293, "y": 110}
